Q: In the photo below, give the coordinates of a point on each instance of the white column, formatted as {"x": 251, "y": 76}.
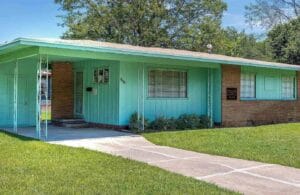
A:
{"x": 46, "y": 96}
{"x": 38, "y": 99}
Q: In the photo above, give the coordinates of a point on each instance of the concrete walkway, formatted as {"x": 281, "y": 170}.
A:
{"x": 248, "y": 177}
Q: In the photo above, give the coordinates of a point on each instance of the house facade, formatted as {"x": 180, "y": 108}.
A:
{"x": 105, "y": 83}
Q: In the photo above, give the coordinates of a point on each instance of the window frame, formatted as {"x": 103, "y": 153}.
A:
{"x": 255, "y": 82}
{"x": 294, "y": 97}
{"x": 172, "y": 70}
{"x": 96, "y": 73}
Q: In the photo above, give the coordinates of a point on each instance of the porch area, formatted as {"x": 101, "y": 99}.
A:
{"x": 56, "y": 133}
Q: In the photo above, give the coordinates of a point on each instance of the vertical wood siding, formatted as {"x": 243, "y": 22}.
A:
{"x": 268, "y": 82}
{"x": 131, "y": 93}
{"x": 102, "y": 107}
{"x": 26, "y": 93}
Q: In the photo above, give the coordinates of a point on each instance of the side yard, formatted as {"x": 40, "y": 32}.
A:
{"x": 278, "y": 144}
{"x": 28, "y": 166}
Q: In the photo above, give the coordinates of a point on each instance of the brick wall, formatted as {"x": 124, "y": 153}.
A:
{"x": 244, "y": 113}
{"x": 62, "y": 90}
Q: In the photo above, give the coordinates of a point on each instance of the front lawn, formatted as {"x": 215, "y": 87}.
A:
{"x": 279, "y": 144}
{"x": 28, "y": 166}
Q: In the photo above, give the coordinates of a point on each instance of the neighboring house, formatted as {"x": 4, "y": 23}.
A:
{"x": 105, "y": 83}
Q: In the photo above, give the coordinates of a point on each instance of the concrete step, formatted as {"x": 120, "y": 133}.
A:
{"x": 69, "y": 120}
{"x": 75, "y": 125}
{"x": 71, "y": 123}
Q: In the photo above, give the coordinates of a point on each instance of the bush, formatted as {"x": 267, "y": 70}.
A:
{"x": 185, "y": 121}
{"x": 204, "y": 122}
{"x": 162, "y": 123}
{"x": 188, "y": 121}
{"x": 136, "y": 122}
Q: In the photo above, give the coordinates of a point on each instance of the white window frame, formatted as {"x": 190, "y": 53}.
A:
{"x": 248, "y": 85}
{"x": 288, "y": 87}
{"x": 101, "y": 75}
{"x": 162, "y": 90}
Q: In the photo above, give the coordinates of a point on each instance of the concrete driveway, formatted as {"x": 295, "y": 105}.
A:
{"x": 248, "y": 177}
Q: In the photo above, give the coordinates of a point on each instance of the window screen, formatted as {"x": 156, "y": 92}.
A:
{"x": 247, "y": 85}
{"x": 167, "y": 84}
{"x": 288, "y": 87}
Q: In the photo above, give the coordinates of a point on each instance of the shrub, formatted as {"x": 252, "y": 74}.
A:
{"x": 136, "y": 122}
{"x": 185, "y": 121}
{"x": 188, "y": 121}
{"x": 162, "y": 123}
{"x": 204, "y": 122}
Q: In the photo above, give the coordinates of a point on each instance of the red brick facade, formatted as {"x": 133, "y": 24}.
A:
{"x": 254, "y": 112}
{"x": 62, "y": 91}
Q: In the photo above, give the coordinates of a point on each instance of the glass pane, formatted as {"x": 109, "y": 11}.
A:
{"x": 163, "y": 83}
{"x": 247, "y": 85}
{"x": 288, "y": 86}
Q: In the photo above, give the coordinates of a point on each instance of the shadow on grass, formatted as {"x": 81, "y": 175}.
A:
{"x": 20, "y": 137}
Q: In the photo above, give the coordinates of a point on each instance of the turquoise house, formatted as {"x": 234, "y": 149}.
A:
{"x": 105, "y": 83}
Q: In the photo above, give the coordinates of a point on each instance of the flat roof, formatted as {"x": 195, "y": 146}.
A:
{"x": 98, "y": 46}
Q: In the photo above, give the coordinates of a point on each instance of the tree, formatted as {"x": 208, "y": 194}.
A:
{"x": 269, "y": 13}
{"x": 167, "y": 23}
{"x": 240, "y": 44}
{"x": 284, "y": 41}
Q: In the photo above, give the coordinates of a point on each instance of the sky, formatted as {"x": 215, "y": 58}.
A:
{"x": 38, "y": 18}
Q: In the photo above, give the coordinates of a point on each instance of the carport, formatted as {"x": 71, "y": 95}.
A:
{"x": 23, "y": 67}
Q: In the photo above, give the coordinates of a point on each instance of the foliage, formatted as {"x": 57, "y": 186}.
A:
{"x": 205, "y": 122}
{"x": 136, "y": 122}
{"x": 165, "y": 23}
{"x": 188, "y": 121}
{"x": 185, "y": 121}
{"x": 277, "y": 144}
{"x": 29, "y": 166}
{"x": 269, "y": 13}
{"x": 179, "y": 24}
{"x": 284, "y": 41}
{"x": 162, "y": 123}
{"x": 240, "y": 44}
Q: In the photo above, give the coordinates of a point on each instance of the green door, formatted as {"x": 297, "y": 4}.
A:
{"x": 78, "y": 95}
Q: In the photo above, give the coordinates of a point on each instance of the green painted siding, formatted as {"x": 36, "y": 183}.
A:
{"x": 132, "y": 98}
{"x": 103, "y": 106}
{"x": 26, "y": 93}
{"x": 217, "y": 95}
{"x": 268, "y": 82}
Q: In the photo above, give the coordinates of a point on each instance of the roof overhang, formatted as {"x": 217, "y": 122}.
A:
{"x": 22, "y": 43}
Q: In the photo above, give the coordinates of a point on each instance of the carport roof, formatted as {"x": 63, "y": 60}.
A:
{"x": 97, "y": 46}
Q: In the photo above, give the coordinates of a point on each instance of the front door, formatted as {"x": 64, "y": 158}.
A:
{"x": 78, "y": 95}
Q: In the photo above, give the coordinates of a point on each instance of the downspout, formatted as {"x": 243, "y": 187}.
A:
{"x": 16, "y": 79}
{"x": 143, "y": 91}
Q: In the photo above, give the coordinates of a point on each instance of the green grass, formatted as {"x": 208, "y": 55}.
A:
{"x": 28, "y": 166}
{"x": 279, "y": 144}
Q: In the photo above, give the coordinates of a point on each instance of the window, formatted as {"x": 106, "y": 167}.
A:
{"x": 247, "y": 85}
{"x": 288, "y": 87}
{"x": 167, "y": 84}
{"x": 101, "y": 75}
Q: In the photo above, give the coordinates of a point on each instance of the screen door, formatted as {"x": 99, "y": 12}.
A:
{"x": 79, "y": 94}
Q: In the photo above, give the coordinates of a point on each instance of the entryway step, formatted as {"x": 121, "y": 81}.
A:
{"x": 71, "y": 123}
